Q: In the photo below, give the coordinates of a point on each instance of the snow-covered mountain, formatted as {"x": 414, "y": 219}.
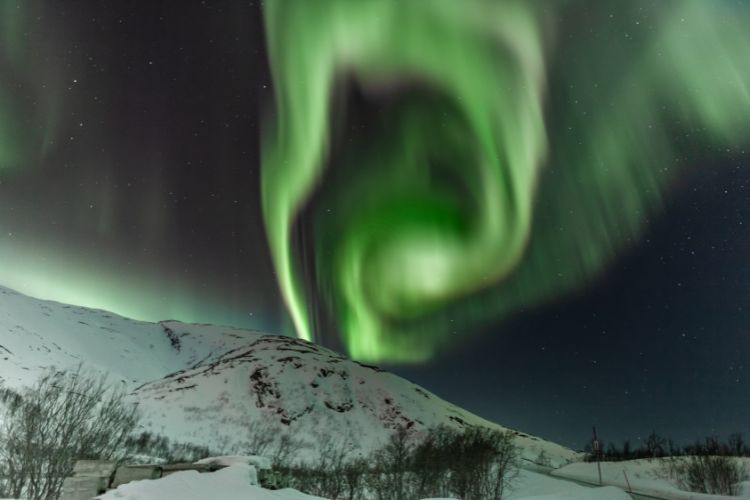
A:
{"x": 36, "y": 334}
{"x": 212, "y": 385}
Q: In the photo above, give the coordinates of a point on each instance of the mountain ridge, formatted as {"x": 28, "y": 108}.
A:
{"x": 207, "y": 384}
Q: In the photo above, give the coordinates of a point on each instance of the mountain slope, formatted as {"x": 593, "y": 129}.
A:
{"x": 294, "y": 386}
{"x": 36, "y": 334}
{"x": 215, "y": 386}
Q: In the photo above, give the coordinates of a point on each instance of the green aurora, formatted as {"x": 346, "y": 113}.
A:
{"x": 32, "y": 94}
{"x": 29, "y": 110}
{"x": 533, "y": 153}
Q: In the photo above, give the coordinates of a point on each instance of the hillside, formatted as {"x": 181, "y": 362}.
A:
{"x": 36, "y": 334}
{"x": 218, "y": 386}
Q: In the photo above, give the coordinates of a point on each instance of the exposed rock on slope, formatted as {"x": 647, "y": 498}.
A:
{"x": 211, "y": 385}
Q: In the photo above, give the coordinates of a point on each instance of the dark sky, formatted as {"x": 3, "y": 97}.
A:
{"x": 137, "y": 191}
{"x": 147, "y": 202}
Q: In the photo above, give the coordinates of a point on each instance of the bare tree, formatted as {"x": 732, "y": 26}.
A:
{"x": 626, "y": 451}
{"x": 392, "y": 463}
{"x": 66, "y": 416}
{"x": 711, "y": 474}
{"x": 472, "y": 464}
{"x": 655, "y": 445}
{"x": 260, "y": 437}
{"x": 736, "y": 444}
{"x": 484, "y": 464}
{"x": 354, "y": 476}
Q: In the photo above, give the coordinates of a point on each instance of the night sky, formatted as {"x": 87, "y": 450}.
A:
{"x": 145, "y": 200}
{"x": 130, "y": 180}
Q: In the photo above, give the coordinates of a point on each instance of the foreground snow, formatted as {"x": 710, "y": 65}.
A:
{"x": 639, "y": 476}
{"x": 535, "y": 486}
{"x": 237, "y": 481}
{"x": 226, "y": 484}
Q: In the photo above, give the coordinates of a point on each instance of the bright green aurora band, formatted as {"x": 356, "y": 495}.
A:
{"x": 533, "y": 153}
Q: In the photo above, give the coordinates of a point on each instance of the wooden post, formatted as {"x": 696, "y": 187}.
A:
{"x": 597, "y": 450}
{"x": 627, "y": 481}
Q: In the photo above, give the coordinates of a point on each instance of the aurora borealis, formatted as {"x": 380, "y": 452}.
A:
{"x": 110, "y": 190}
{"x": 503, "y": 178}
{"x": 401, "y": 251}
{"x": 546, "y": 201}
{"x": 23, "y": 98}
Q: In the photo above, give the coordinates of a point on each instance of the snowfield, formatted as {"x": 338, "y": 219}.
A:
{"x": 642, "y": 476}
{"x": 238, "y": 481}
{"x": 37, "y": 334}
{"x": 534, "y": 486}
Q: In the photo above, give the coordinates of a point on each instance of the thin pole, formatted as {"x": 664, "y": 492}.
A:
{"x": 597, "y": 449}
{"x": 625, "y": 473}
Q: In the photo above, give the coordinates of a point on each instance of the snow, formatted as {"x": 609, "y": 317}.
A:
{"x": 606, "y": 493}
{"x": 226, "y": 484}
{"x": 235, "y": 482}
{"x": 535, "y": 486}
{"x": 37, "y": 334}
{"x": 293, "y": 386}
{"x": 261, "y": 463}
{"x": 207, "y": 385}
{"x": 642, "y": 476}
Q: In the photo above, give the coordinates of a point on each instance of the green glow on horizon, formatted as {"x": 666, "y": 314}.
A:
{"x": 538, "y": 201}
{"x": 85, "y": 281}
{"x": 37, "y": 96}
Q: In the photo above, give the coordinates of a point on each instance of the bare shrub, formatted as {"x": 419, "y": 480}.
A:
{"x": 655, "y": 445}
{"x": 736, "y": 445}
{"x": 670, "y": 469}
{"x": 474, "y": 464}
{"x": 484, "y": 464}
{"x": 355, "y": 480}
{"x": 259, "y": 438}
{"x": 431, "y": 463}
{"x": 66, "y": 416}
{"x": 147, "y": 447}
{"x": 335, "y": 475}
{"x": 392, "y": 464}
{"x": 713, "y": 474}
{"x": 273, "y": 441}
